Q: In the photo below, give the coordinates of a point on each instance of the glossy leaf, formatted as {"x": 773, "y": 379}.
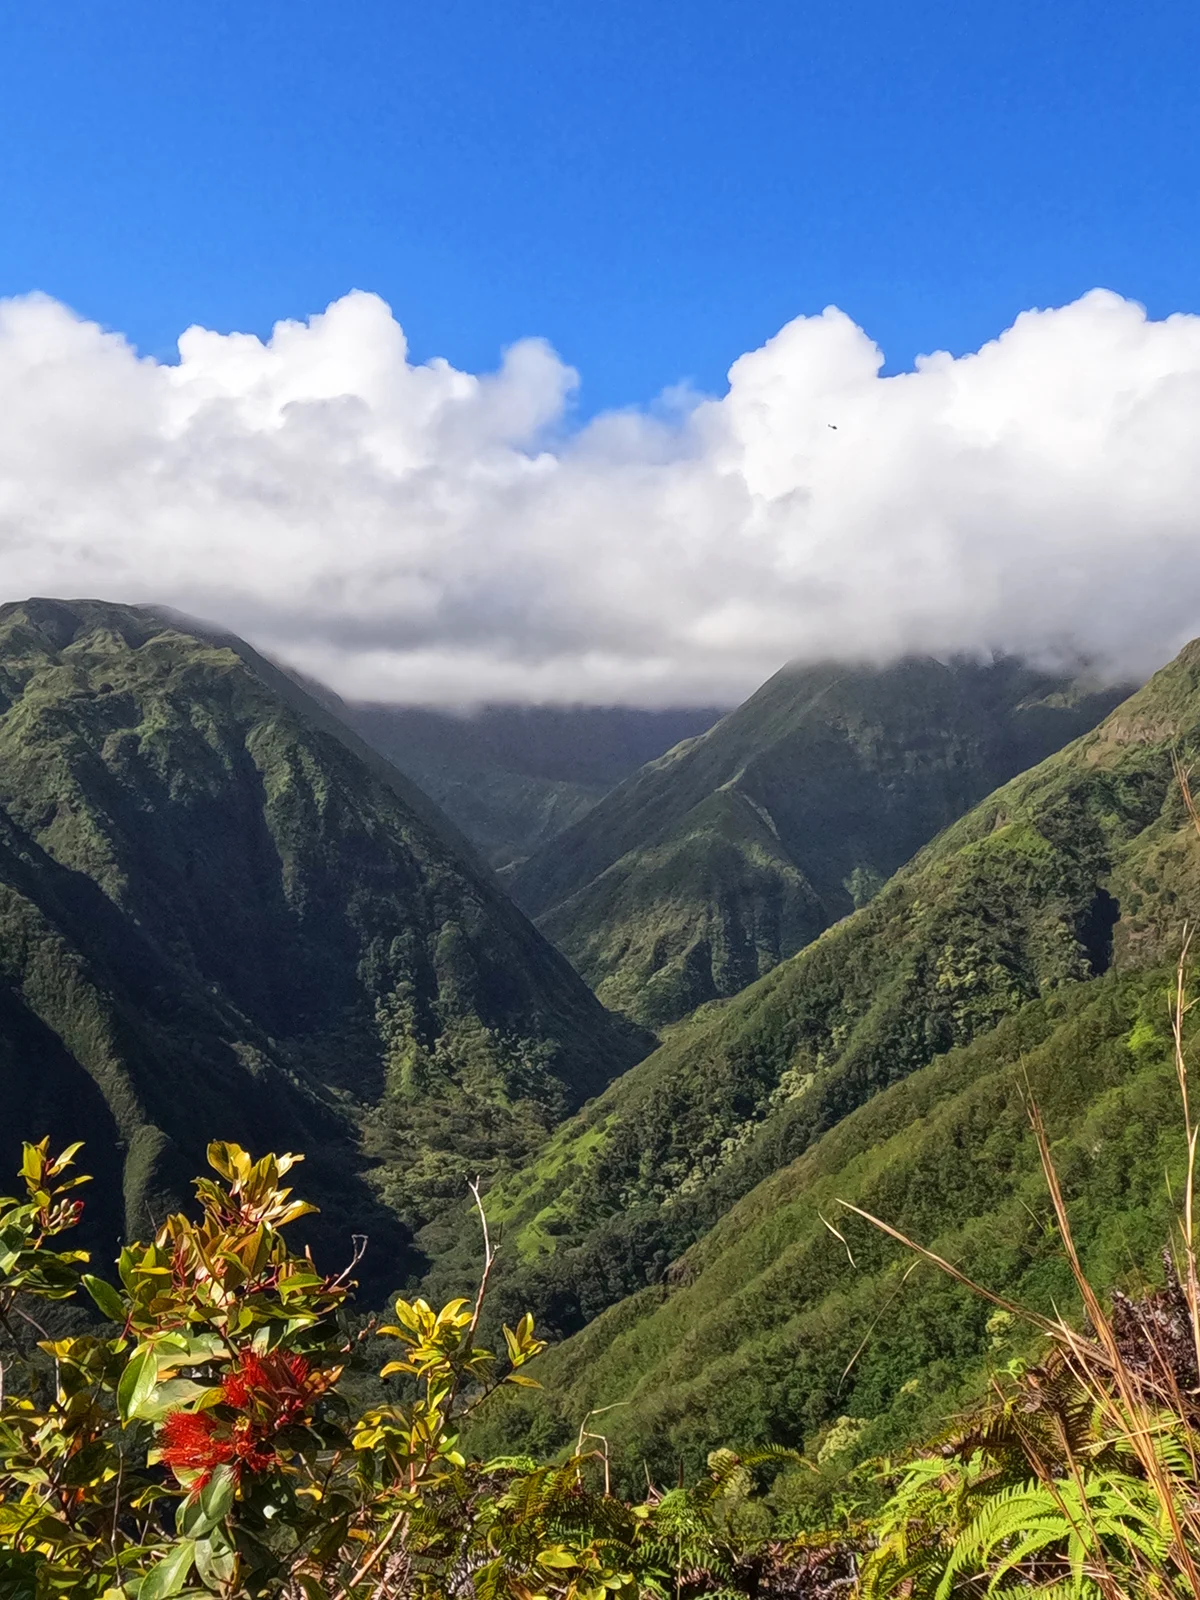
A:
{"x": 137, "y": 1381}
{"x": 105, "y": 1298}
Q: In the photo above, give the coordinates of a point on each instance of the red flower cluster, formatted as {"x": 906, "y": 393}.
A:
{"x": 269, "y": 1393}
{"x": 275, "y": 1389}
{"x": 193, "y": 1441}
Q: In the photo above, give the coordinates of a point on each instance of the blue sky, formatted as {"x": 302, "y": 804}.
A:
{"x": 659, "y": 190}
{"x": 653, "y": 186}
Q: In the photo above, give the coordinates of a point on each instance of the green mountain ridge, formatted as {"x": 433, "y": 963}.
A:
{"x": 1064, "y": 886}
{"x": 701, "y": 872}
{"x": 223, "y": 915}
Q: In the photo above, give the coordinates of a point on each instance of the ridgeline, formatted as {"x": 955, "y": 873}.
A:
{"x": 712, "y": 864}
{"x": 675, "y": 1230}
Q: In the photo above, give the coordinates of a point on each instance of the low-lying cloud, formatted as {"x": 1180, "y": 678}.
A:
{"x": 413, "y": 532}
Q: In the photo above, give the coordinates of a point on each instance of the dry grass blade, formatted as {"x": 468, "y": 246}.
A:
{"x": 1133, "y": 1409}
{"x": 1038, "y": 1321}
{"x": 1183, "y": 779}
{"x": 1179, "y": 1010}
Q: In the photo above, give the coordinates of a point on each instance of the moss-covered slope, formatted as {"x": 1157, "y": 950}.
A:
{"x": 701, "y": 872}
{"x": 222, "y": 915}
{"x": 1081, "y": 864}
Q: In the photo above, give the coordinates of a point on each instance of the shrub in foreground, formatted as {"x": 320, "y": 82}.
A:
{"x": 203, "y": 1442}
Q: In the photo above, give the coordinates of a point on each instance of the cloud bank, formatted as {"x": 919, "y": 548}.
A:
{"x": 412, "y": 532}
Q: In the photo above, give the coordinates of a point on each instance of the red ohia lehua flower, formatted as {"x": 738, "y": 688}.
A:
{"x": 268, "y": 1393}
{"x": 274, "y": 1389}
{"x": 190, "y": 1441}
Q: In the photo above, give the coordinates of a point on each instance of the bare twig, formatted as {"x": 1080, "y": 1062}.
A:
{"x": 489, "y": 1257}
{"x": 369, "y": 1561}
{"x": 112, "y": 1538}
{"x": 359, "y": 1242}
{"x": 585, "y": 1433}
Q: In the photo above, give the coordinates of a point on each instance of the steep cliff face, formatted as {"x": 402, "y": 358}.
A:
{"x": 222, "y": 915}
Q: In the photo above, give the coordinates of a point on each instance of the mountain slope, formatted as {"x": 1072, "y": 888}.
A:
{"x": 221, "y": 915}
{"x": 1082, "y": 863}
{"x": 704, "y": 870}
{"x": 771, "y": 1328}
{"x": 512, "y": 777}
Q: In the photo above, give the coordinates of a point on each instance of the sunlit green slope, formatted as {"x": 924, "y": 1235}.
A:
{"x": 1078, "y": 865}
{"x": 704, "y": 870}
{"x": 771, "y": 1328}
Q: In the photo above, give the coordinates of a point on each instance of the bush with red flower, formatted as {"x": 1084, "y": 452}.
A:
{"x": 201, "y": 1442}
{"x": 258, "y": 1398}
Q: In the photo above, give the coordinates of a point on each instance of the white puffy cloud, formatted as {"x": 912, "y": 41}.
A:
{"x": 413, "y": 532}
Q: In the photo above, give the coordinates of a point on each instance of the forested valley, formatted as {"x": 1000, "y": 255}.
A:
{"x": 742, "y": 1154}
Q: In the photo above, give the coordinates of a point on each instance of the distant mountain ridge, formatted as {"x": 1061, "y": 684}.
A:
{"x": 1080, "y": 863}
{"x": 223, "y": 915}
{"x": 512, "y": 777}
{"x": 702, "y": 871}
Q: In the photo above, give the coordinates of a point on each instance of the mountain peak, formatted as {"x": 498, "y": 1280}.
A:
{"x": 225, "y": 916}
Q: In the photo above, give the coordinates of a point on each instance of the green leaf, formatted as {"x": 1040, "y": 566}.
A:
{"x": 216, "y": 1561}
{"x": 170, "y": 1575}
{"x": 137, "y": 1381}
{"x": 107, "y": 1300}
{"x": 199, "y": 1517}
{"x": 176, "y": 1395}
{"x": 216, "y": 1498}
{"x": 67, "y": 1156}
{"x": 556, "y": 1557}
{"x": 187, "y": 1350}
